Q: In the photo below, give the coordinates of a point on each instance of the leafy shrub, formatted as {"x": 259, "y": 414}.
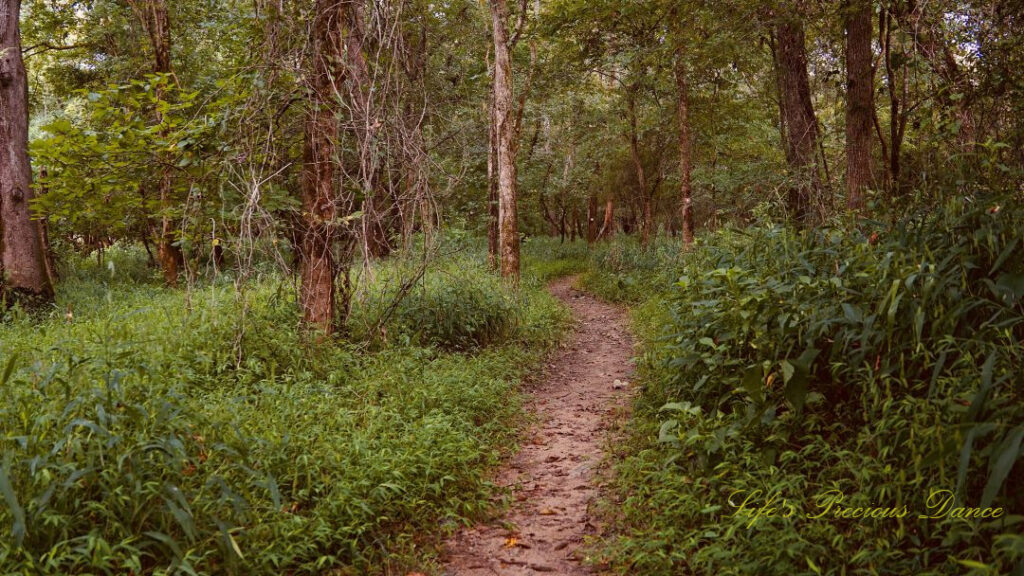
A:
{"x": 459, "y": 306}
{"x": 457, "y": 313}
{"x": 883, "y": 367}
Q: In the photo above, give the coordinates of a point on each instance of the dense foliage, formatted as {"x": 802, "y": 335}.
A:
{"x": 248, "y": 326}
{"x": 145, "y": 434}
{"x": 883, "y": 364}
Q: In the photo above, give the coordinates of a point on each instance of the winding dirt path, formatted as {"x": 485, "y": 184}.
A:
{"x": 552, "y": 476}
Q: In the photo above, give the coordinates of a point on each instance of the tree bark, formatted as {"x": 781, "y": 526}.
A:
{"x": 860, "y": 102}
{"x": 685, "y": 150}
{"x": 507, "y": 136}
{"x": 493, "y": 247}
{"x": 608, "y": 226}
{"x": 22, "y": 253}
{"x": 592, "y": 228}
{"x": 317, "y": 267}
{"x": 780, "y": 90}
{"x": 800, "y": 122}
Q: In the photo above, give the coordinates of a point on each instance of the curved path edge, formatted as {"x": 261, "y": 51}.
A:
{"x": 553, "y": 476}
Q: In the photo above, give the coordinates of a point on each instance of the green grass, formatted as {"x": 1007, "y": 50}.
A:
{"x": 158, "y": 432}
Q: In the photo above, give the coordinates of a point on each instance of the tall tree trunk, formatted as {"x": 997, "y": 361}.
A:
{"x": 493, "y": 247}
{"x": 317, "y": 267}
{"x": 860, "y": 102}
{"x": 638, "y": 165}
{"x": 801, "y": 125}
{"x": 685, "y": 150}
{"x": 507, "y": 135}
{"x": 21, "y": 249}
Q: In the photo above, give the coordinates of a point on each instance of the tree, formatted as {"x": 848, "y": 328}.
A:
{"x": 797, "y": 110}
{"x": 647, "y": 218}
{"x": 153, "y": 16}
{"x": 507, "y": 136}
{"x": 956, "y": 92}
{"x": 860, "y": 104}
{"x": 320, "y": 151}
{"x": 493, "y": 215}
{"x": 22, "y": 253}
{"x": 685, "y": 147}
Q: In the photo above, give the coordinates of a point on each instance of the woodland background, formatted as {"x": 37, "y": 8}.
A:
{"x": 265, "y": 310}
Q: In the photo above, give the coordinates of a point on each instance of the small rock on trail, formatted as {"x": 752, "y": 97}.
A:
{"x": 552, "y": 476}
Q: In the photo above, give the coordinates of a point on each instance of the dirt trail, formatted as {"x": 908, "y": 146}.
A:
{"x": 552, "y": 476}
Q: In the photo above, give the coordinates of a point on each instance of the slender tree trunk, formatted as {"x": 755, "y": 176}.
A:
{"x": 417, "y": 185}
{"x": 860, "y": 103}
{"x": 317, "y": 267}
{"x": 365, "y": 127}
{"x": 897, "y": 113}
{"x": 608, "y": 225}
{"x": 801, "y": 125}
{"x": 22, "y": 253}
{"x": 592, "y": 227}
{"x": 507, "y": 135}
{"x": 415, "y": 188}
{"x": 685, "y": 150}
{"x": 44, "y": 235}
{"x": 493, "y": 247}
{"x": 154, "y": 19}
{"x": 638, "y": 165}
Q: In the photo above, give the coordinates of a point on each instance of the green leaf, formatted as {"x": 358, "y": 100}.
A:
{"x": 19, "y": 529}
{"x": 1003, "y": 459}
{"x": 796, "y": 390}
{"x": 753, "y": 382}
{"x": 787, "y": 371}
{"x": 966, "y": 450}
{"x": 667, "y": 432}
{"x": 1012, "y": 285}
{"x": 981, "y": 396}
{"x": 8, "y": 369}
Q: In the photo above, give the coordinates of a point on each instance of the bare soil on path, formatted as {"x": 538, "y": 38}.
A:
{"x": 552, "y": 478}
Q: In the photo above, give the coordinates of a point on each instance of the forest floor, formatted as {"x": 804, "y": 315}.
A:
{"x": 553, "y": 478}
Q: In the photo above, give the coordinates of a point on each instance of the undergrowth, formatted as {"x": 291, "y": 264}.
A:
{"x": 789, "y": 377}
{"x": 150, "y": 431}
